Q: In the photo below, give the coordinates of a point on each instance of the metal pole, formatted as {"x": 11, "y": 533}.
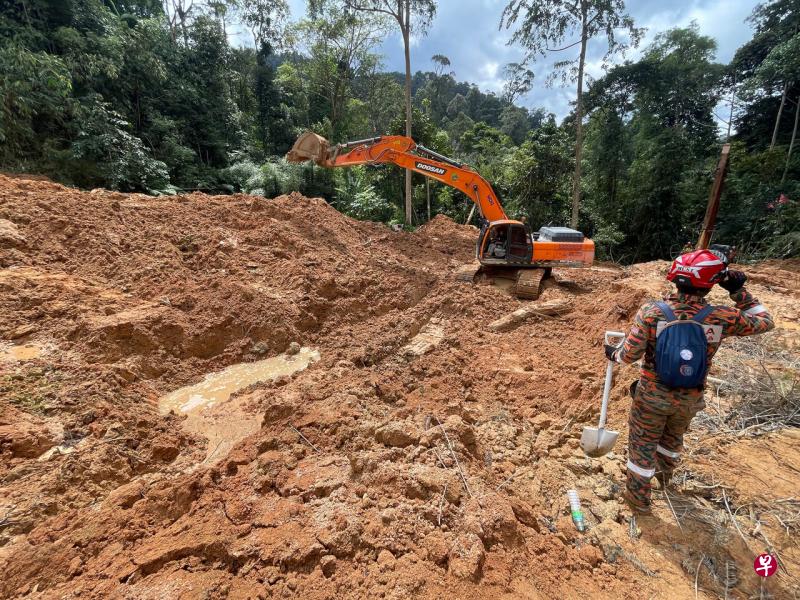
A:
{"x": 713, "y": 200}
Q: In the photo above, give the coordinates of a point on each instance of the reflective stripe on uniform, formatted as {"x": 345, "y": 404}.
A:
{"x": 759, "y": 308}
{"x": 647, "y": 473}
{"x": 666, "y": 452}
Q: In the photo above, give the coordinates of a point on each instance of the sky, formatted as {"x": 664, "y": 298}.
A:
{"x": 466, "y": 31}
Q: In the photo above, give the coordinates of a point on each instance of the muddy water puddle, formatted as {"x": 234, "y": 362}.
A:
{"x": 20, "y": 353}
{"x": 213, "y": 414}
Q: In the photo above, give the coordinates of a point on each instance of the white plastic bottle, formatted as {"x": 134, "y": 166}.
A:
{"x": 575, "y": 509}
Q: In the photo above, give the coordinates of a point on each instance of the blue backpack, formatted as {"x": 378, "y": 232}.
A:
{"x": 682, "y": 349}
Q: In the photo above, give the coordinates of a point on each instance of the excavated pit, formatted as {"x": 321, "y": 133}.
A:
{"x": 420, "y": 453}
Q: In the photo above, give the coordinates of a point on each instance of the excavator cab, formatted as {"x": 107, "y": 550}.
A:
{"x": 505, "y": 242}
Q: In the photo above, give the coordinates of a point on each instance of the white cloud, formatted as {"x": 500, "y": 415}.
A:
{"x": 489, "y": 70}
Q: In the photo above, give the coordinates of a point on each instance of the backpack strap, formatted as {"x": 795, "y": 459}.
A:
{"x": 703, "y": 313}
{"x": 670, "y": 316}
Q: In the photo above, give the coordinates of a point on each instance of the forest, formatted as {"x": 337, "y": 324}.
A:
{"x": 152, "y": 96}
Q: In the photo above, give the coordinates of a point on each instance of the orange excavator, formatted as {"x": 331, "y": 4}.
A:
{"x": 506, "y": 248}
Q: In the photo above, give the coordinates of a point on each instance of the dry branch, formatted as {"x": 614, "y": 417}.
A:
{"x": 763, "y": 385}
{"x": 305, "y": 439}
{"x": 455, "y": 458}
{"x": 441, "y": 503}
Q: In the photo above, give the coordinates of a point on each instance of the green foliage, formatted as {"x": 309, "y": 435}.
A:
{"x": 107, "y": 155}
{"x": 519, "y": 81}
{"x": 339, "y": 45}
{"x": 245, "y": 176}
{"x": 757, "y": 212}
{"x": 278, "y": 176}
{"x": 457, "y": 127}
{"x": 651, "y": 147}
{"x": 482, "y": 140}
{"x": 764, "y": 73}
{"x": 782, "y": 63}
{"x": 266, "y": 19}
{"x": 34, "y": 87}
{"x": 515, "y": 122}
{"x": 536, "y": 177}
{"x": 357, "y": 197}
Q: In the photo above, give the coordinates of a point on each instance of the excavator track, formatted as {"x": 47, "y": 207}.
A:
{"x": 529, "y": 283}
{"x": 468, "y": 272}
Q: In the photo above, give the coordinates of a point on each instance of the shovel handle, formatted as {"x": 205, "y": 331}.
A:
{"x": 610, "y": 335}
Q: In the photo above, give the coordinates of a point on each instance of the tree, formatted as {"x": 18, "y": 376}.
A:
{"x": 220, "y": 10}
{"x": 783, "y": 63}
{"x": 33, "y": 91}
{"x": 383, "y": 98}
{"x": 608, "y": 153}
{"x": 403, "y": 11}
{"x": 653, "y": 144}
{"x": 483, "y": 141}
{"x": 178, "y": 13}
{"x": 108, "y": 155}
{"x": 519, "y": 81}
{"x": 536, "y": 177}
{"x": 457, "y": 127}
{"x": 456, "y": 106}
{"x": 441, "y": 64}
{"x": 765, "y": 90}
{"x": 515, "y": 122}
{"x": 545, "y": 22}
{"x": 776, "y": 22}
{"x": 266, "y": 20}
{"x": 340, "y": 44}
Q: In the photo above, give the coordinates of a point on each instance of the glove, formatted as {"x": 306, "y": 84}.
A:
{"x": 733, "y": 281}
{"x": 611, "y": 352}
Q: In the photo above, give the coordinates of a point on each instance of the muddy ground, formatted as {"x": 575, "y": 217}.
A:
{"x": 420, "y": 454}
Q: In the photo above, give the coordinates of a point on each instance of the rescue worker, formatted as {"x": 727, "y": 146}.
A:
{"x": 660, "y": 415}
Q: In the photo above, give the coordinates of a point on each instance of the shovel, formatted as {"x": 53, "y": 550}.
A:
{"x": 598, "y": 441}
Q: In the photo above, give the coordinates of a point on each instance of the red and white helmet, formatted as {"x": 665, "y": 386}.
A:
{"x": 700, "y": 269}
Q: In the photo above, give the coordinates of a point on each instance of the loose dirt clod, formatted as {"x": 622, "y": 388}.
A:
{"x": 336, "y": 482}
{"x": 541, "y": 309}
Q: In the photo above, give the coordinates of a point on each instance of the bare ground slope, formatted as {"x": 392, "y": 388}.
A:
{"x": 423, "y": 455}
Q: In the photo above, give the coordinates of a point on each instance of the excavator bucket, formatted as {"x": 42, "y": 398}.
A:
{"x": 309, "y": 146}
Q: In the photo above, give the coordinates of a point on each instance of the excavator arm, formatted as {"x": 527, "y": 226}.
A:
{"x": 403, "y": 152}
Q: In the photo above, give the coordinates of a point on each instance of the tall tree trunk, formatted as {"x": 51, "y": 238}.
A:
{"x": 170, "y": 19}
{"x": 791, "y": 144}
{"x": 406, "y": 42}
{"x": 730, "y": 115}
{"x": 576, "y": 181}
{"x": 778, "y": 118}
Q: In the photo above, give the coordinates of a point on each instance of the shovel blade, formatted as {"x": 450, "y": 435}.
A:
{"x": 597, "y": 442}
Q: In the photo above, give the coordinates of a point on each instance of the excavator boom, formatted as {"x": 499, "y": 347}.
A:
{"x": 403, "y": 152}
